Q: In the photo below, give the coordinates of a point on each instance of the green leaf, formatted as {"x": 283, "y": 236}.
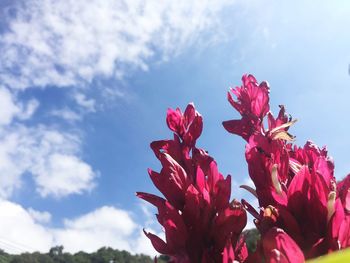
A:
{"x": 336, "y": 257}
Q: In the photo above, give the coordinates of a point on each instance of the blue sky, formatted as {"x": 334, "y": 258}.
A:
{"x": 84, "y": 90}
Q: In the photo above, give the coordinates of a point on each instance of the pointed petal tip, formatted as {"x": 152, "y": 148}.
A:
{"x": 249, "y": 189}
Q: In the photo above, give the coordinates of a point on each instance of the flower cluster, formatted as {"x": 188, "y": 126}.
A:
{"x": 302, "y": 208}
{"x": 303, "y": 212}
{"x": 200, "y": 222}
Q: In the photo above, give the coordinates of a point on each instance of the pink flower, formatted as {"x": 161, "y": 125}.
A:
{"x": 266, "y": 151}
{"x": 313, "y": 201}
{"x": 303, "y": 212}
{"x": 252, "y": 103}
{"x": 200, "y": 222}
{"x": 295, "y": 184}
{"x": 343, "y": 190}
{"x": 277, "y": 246}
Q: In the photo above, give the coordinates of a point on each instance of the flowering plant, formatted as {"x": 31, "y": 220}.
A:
{"x": 303, "y": 212}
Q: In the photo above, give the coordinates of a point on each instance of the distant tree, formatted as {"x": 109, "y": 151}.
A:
{"x": 56, "y": 251}
{"x": 104, "y": 255}
{"x": 35, "y": 257}
{"x": 4, "y": 257}
{"x": 252, "y": 237}
{"x": 163, "y": 259}
{"x": 82, "y": 257}
{"x": 57, "y": 255}
{"x": 68, "y": 258}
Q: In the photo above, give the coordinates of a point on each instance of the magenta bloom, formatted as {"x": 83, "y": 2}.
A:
{"x": 200, "y": 222}
{"x": 252, "y": 103}
{"x": 277, "y": 246}
{"x": 303, "y": 212}
{"x": 343, "y": 190}
{"x": 296, "y": 184}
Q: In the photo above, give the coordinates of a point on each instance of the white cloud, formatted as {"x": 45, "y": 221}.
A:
{"x": 88, "y": 104}
{"x": 72, "y": 43}
{"x": 62, "y": 175}
{"x": 105, "y": 226}
{"x": 28, "y": 109}
{"x": 66, "y": 114}
{"x": 10, "y": 108}
{"x": 38, "y": 216}
{"x": 50, "y": 156}
{"x": 103, "y": 218}
{"x": 67, "y": 43}
{"x": 19, "y": 232}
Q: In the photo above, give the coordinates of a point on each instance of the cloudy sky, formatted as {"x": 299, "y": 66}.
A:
{"x": 84, "y": 88}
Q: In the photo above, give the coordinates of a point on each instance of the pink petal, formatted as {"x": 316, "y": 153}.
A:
{"x": 243, "y": 127}
{"x": 279, "y": 245}
{"x": 174, "y": 121}
{"x": 159, "y": 244}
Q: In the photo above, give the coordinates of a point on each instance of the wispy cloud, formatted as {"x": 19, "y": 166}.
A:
{"x": 11, "y": 108}
{"x": 88, "y": 104}
{"x": 66, "y": 114}
{"x": 72, "y": 42}
{"x": 54, "y": 44}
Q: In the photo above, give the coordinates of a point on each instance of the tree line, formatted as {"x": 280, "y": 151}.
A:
{"x": 103, "y": 255}
{"x": 57, "y": 255}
